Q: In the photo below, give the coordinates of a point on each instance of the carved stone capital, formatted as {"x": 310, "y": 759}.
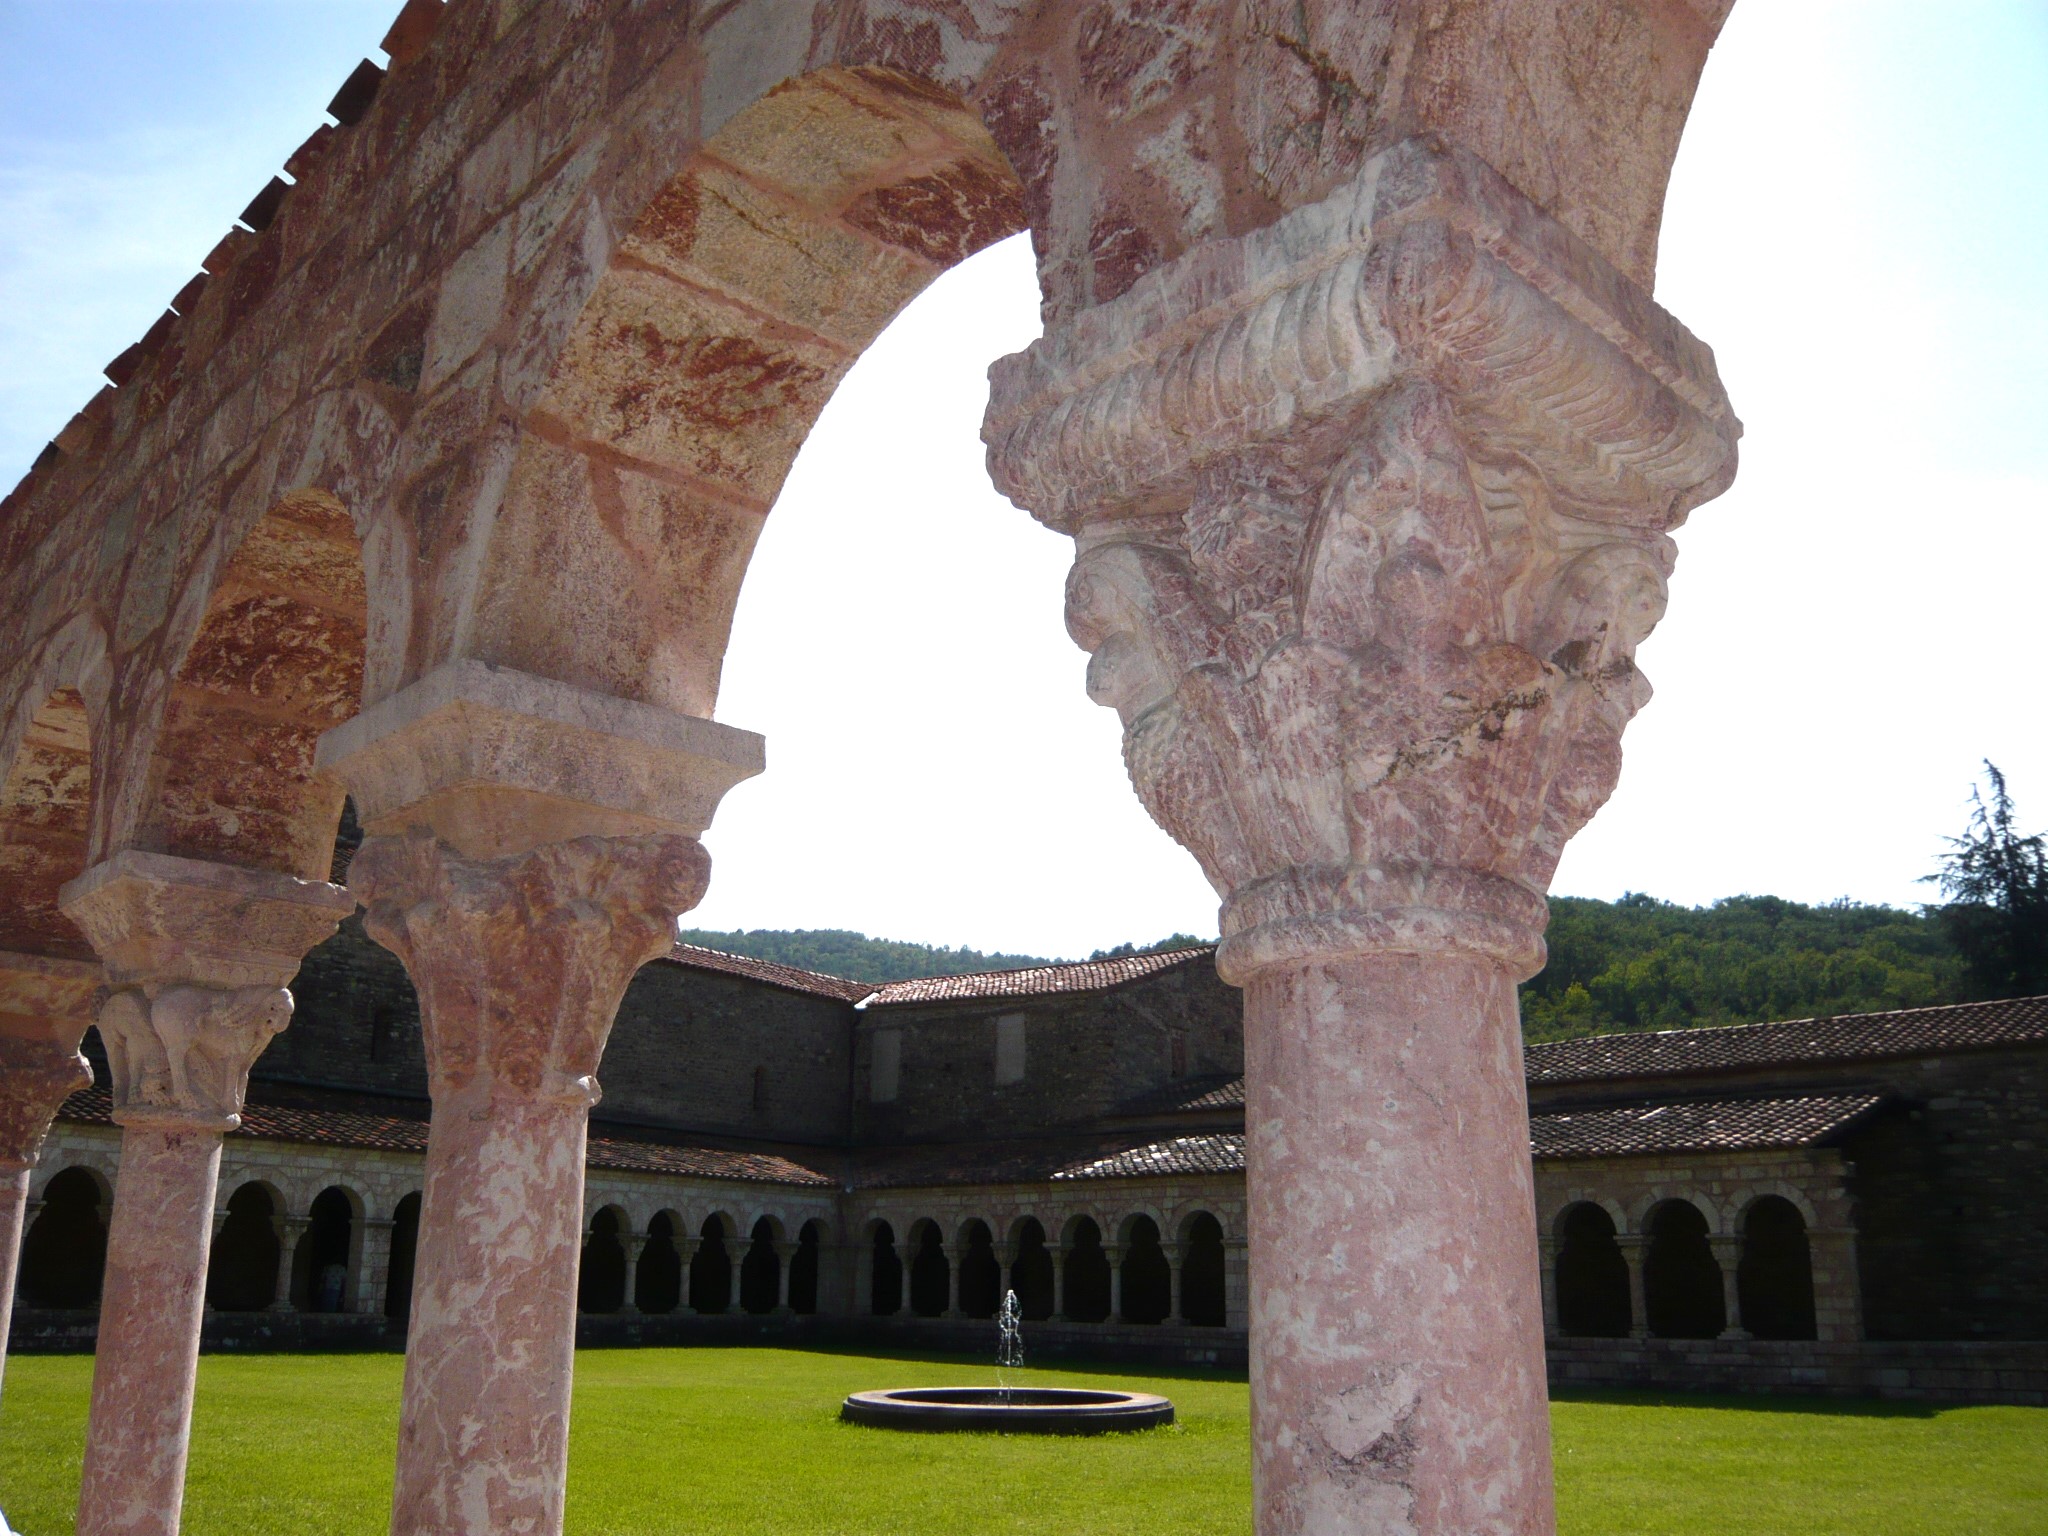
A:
{"x": 36, "y": 1077}
{"x": 158, "y": 921}
{"x": 498, "y": 762}
{"x": 520, "y": 961}
{"x": 1371, "y": 511}
{"x": 180, "y": 1055}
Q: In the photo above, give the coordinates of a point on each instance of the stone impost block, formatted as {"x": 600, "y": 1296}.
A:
{"x": 159, "y": 921}
{"x": 497, "y": 762}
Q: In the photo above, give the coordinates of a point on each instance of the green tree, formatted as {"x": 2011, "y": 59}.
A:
{"x": 1996, "y": 882}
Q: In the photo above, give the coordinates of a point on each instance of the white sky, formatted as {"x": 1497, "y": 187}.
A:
{"x": 1857, "y": 224}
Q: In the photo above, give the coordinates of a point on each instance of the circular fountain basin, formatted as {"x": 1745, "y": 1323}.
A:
{"x": 1020, "y": 1410}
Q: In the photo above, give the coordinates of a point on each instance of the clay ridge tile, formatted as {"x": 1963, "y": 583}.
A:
{"x": 791, "y": 977}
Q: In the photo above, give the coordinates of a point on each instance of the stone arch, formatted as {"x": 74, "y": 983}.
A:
{"x": 1683, "y": 1294}
{"x": 325, "y": 1259}
{"x": 1203, "y": 1271}
{"x": 248, "y": 1251}
{"x": 711, "y": 1269}
{"x": 658, "y": 1277}
{"x": 931, "y": 1271}
{"x": 1085, "y": 1287}
{"x": 1592, "y": 1274}
{"x": 1031, "y": 1269}
{"x": 981, "y": 1272}
{"x": 275, "y": 659}
{"x": 601, "y": 1279}
{"x": 405, "y": 1243}
{"x": 705, "y": 343}
{"x": 885, "y": 1269}
{"x": 1774, "y": 1279}
{"x": 761, "y": 1267}
{"x": 1742, "y": 1204}
{"x": 1616, "y": 1211}
{"x": 64, "y": 1250}
{"x": 1145, "y": 1288}
{"x": 48, "y": 800}
{"x": 1649, "y": 1204}
{"x": 804, "y": 1267}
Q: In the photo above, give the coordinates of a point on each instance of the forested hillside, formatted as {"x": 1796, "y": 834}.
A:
{"x": 1640, "y": 963}
{"x": 1637, "y": 963}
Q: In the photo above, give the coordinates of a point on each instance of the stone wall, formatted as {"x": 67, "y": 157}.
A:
{"x": 1084, "y": 1054}
{"x": 356, "y": 1023}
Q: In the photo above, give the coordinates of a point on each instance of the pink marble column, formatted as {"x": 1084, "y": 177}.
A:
{"x": 197, "y": 956}
{"x": 36, "y": 1076}
{"x": 520, "y": 963}
{"x": 1397, "y": 1338}
{"x": 1371, "y": 510}
{"x": 531, "y": 846}
{"x": 45, "y": 1005}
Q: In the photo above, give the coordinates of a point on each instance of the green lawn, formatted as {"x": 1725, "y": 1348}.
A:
{"x": 741, "y": 1441}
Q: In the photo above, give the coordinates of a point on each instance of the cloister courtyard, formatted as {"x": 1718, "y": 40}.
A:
{"x": 739, "y": 1441}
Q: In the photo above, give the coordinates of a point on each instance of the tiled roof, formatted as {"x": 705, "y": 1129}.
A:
{"x": 1848, "y": 1037}
{"x": 1130, "y": 1155}
{"x": 776, "y": 974}
{"x": 1037, "y": 980}
{"x": 1721, "y": 1125}
{"x": 400, "y": 1132}
{"x": 1223, "y": 1153}
{"x": 1198, "y": 1094}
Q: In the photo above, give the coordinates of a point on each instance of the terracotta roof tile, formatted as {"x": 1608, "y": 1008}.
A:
{"x": 1720, "y": 1125}
{"x": 1848, "y": 1037}
{"x": 1199, "y": 1093}
{"x": 1037, "y": 980}
{"x": 776, "y": 974}
{"x": 1221, "y": 1153}
{"x": 401, "y": 1132}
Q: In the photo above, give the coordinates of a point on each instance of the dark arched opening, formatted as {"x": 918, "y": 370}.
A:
{"x": 601, "y": 1281}
{"x": 1031, "y": 1272}
{"x": 64, "y": 1251}
{"x": 1775, "y": 1279}
{"x": 803, "y": 1269}
{"x": 658, "y": 1278}
{"x": 1087, "y": 1275}
{"x": 242, "y": 1275}
{"x": 405, "y": 1243}
{"x": 321, "y": 1266}
{"x": 1147, "y": 1277}
{"x": 711, "y": 1270}
{"x": 1201, "y": 1274}
{"x": 1592, "y": 1276}
{"x": 931, "y": 1281}
{"x": 1681, "y": 1282}
{"x": 981, "y": 1273}
{"x": 761, "y": 1271}
{"x": 885, "y": 1278}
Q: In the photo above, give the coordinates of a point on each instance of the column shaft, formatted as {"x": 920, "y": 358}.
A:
{"x": 1397, "y": 1355}
{"x": 1728, "y": 1255}
{"x": 1547, "y": 1257}
{"x": 13, "y": 1217}
{"x": 1631, "y": 1245}
{"x": 148, "y": 1350}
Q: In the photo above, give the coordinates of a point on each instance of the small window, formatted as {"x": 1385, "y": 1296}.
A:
{"x": 383, "y": 1026}
{"x": 760, "y": 1089}
{"x": 885, "y": 1068}
{"x": 1010, "y": 1049}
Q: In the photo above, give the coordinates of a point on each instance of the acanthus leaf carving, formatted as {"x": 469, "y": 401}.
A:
{"x": 1365, "y": 548}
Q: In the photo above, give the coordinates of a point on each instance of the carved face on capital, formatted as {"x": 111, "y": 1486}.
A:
{"x": 1113, "y": 613}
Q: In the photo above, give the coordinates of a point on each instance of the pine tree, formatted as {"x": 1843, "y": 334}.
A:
{"x": 1996, "y": 882}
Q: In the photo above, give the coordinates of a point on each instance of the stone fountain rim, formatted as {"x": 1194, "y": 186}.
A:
{"x": 1055, "y": 1411}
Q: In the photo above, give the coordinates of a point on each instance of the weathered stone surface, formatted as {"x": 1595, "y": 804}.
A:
{"x": 1354, "y": 397}
{"x": 1370, "y": 509}
{"x": 520, "y": 963}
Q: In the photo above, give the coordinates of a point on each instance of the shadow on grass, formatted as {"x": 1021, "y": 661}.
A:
{"x": 1758, "y": 1402}
{"x": 1065, "y": 1364}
